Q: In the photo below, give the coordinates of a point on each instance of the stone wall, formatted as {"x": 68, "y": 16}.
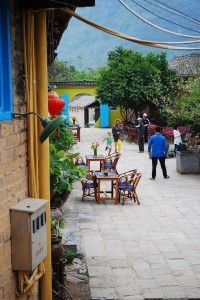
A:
{"x": 188, "y": 162}
{"x": 13, "y": 161}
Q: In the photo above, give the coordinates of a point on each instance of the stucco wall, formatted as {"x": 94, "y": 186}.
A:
{"x": 13, "y": 163}
{"x": 73, "y": 91}
{"x": 114, "y": 114}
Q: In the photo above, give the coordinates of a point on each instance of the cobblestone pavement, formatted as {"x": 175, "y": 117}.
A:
{"x": 133, "y": 252}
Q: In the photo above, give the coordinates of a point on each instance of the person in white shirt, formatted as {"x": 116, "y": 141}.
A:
{"x": 177, "y": 140}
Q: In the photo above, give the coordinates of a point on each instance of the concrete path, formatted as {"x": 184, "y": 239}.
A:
{"x": 133, "y": 252}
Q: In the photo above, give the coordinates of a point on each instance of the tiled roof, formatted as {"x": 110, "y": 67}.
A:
{"x": 82, "y": 100}
{"x": 73, "y": 83}
{"x": 186, "y": 65}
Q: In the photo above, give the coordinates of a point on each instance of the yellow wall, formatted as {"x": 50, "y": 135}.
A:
{"x": 114, "y": 114}
{"x": 73, "y": 91}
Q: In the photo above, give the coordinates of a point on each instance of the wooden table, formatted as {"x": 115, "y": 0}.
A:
{"x": 90, "y": 158}
{"x": 77, "y": 132}
{"x": 113, "y": 178}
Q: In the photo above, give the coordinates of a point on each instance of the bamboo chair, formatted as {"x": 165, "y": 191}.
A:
{"x": 89, "y": 187}
{"x": 110, "y": 162}
{"x": 123, "y": 177}
{"x": 127, "y": 173}
{"x": 79, "y": 161}
{"x": 127, "y": 188}
{"x": 132, "y": 134}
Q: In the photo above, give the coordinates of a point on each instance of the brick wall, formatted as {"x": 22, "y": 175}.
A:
{"x": 13, "y": 162}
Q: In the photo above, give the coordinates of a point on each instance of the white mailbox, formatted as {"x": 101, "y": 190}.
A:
{"x": 28, "y": 234}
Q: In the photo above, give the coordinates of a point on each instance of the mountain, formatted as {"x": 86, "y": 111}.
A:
{"x": 87, "y": 47}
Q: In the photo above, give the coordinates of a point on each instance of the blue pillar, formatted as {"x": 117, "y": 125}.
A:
{"x": 65, "y": 111}
{"x": 104, "y": 115}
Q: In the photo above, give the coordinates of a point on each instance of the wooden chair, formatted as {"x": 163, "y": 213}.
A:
{"x": 79, "y": 161}
{"x": 124, "y": 177}
{"x": 132, "y": 134}
{"x": 89, "y": 187}
{"x": 110, "y": 162}
{"x": 128, "y": 183}
{"x": 127, "y": 173}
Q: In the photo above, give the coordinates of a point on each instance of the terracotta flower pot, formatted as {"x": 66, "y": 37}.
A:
{"x": 56, "y": 213}
{"x": 56, "y": 249}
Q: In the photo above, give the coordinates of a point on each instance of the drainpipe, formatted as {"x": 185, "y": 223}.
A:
{"x": 43, "y": 153}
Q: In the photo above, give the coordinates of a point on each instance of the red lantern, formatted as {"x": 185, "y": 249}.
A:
{"x": 55, "y": 103}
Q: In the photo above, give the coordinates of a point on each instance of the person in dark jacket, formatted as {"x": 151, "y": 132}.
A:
{"x": 146, "y": 123}
{"x": 117, "y": 132}
{"x": 141, "y": 132}
{"x": 157, "y": 148}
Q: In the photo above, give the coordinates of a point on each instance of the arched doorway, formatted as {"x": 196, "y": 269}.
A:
{"x": 86, "y": 109}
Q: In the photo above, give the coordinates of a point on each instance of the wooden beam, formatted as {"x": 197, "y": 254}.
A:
{"x": 37, "y": 4}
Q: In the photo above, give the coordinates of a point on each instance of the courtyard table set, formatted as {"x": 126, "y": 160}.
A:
{"x": 105, "y": 183}
{"x": 147, "y": 251}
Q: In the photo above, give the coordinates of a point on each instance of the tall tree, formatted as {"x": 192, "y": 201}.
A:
{"x": 185, "y": 108}
{"x": 132, "y": 81}
{"x": 61, "y": 71}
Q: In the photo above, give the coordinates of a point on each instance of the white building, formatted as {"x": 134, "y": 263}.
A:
{"x": 83, "y": 108}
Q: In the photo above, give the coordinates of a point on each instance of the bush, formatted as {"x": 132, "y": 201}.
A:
{"x": 69, "y": 255}
{"x": 63, "y": 172}
{"x": 168, "y": 131}
{"x": 62, "y": 139}
{"x": 185, "y": 108}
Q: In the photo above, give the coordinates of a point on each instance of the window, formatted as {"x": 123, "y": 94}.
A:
{"x": 5, "y": 61}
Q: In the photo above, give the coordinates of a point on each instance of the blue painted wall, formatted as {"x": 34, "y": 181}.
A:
{"x": 65, "y": 111}
{"x": 104, "y": 115}
{"x": 5, "y": 59}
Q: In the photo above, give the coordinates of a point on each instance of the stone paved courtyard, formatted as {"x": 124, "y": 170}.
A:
{"x": 133, "y": 252}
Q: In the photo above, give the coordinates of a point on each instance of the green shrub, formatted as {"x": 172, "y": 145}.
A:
{"x": 63, "y": 172}
{"x": 69, "y": 253}
{"x": 62, "y": 139}
{"x": 56, "y": 224}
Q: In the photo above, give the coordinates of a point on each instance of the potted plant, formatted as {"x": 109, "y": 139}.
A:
{"x": 63, "y": 172}
{"x": 56, "y": 225}
{"x": 57, "y": 248}
{"x": 106, "y": 172}
{"x": 74, "y": 119}
{"x": 56, "y": 213}
{"x": 69, "y": 254}
{"x": 94, "y": 147}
